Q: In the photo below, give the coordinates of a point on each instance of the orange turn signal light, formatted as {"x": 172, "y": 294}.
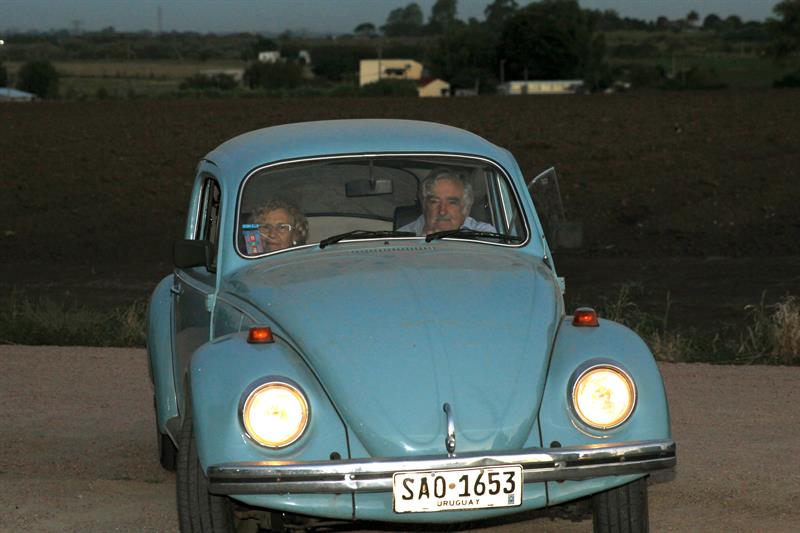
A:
{"x": 585, "y": 317}
{"x": 260, "y": 335}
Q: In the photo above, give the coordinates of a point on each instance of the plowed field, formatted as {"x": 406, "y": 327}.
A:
{"x": 695, "y": 193}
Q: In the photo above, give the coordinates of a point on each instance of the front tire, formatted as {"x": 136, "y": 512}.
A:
{"x": 199, "y": 511}
{"x": 622, "y": 509}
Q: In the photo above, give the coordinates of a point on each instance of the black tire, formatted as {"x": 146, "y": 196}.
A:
{"x": 167, "y": 452}
{"x": 622, "y": 509}
{"x": 198, "y": 510}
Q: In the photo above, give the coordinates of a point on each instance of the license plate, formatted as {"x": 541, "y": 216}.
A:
{"x": 451, "y": 490}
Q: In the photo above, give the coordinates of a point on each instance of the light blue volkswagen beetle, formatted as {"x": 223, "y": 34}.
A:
{"x": 365, "y": 323}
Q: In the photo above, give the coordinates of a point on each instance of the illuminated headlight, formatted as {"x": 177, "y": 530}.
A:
{"x": 275, "y": 414}
{"x": 603, "y": 397}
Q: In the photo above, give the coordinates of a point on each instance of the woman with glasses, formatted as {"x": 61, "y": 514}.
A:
{"x": 280, "y": 225}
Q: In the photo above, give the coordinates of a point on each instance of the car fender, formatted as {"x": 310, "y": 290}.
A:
{"x": 221, "y": 374}
{"x": 159, "y": 351}
{"x": 577, "y": 348}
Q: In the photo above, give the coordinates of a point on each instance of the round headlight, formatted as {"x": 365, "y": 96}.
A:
{"x": 603, "y": 397}
{"x": 275, "y": 414}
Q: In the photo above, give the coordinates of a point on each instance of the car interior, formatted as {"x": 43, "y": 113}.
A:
{"x": 340, "y": 195}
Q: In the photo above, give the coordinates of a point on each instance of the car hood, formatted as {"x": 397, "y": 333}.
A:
{"x": 395, "y": 332}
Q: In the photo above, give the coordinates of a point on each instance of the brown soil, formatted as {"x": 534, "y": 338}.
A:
{"x": 693, "y": 195}
{"x": 77, "y": 449}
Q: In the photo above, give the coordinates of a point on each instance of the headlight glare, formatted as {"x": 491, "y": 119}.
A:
{"x": 603, "y": 397}
{"x": 275, "y": 414}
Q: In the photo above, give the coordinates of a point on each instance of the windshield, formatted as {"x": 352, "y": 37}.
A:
{"x": 333, "y": 200}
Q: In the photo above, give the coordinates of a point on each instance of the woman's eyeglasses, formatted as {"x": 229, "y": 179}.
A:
{"x": 281, "y": 229}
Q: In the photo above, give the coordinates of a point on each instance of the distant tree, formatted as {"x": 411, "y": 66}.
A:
{"x": 553, "y": 39}
{"x": 786, "y": 31}
{"x": 733, "y": 22}
{"x": 692, "y": 17}
{"x": 498, "y": 12}
{"x": 365, "y": 29}
{"x": 662, "y": 23}
{"x": 609, "y": 20}
{"x": 466, "y": 54}
{"x": 3, "y": 75}
{"x": 281, "y": 75}
{"x": 443, "y": 16}
{"x": 38, "y": 77}
{"x": 340, "y": 62}
{"x": 790, "y": 80}
{"x": 712, "y": 22}
{"x": 404, "y": 21}
{"x": 262, "y": 44}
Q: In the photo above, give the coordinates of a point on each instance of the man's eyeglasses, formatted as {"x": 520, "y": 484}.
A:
{"x": 281, "y": 229}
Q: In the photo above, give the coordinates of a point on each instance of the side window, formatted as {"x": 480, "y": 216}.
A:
{"x": 506, "y": 217}
{"x": 208, "y": 225}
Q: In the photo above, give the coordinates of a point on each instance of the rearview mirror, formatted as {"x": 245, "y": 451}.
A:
{"x": 187, "y": 253}
{"x": 372, "y": 187}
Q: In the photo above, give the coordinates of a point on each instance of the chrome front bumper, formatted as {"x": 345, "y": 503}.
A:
{"x": 375, "y": 475}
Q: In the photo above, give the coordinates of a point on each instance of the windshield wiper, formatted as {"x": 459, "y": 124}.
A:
{"x": 466, "y": 233}
{"x": 364, "y": 234}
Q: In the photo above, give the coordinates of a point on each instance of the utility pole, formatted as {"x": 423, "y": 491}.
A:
{"x": 380, "y": 57}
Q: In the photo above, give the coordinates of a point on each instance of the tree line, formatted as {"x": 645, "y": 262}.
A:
{"x": 546, "y": 39}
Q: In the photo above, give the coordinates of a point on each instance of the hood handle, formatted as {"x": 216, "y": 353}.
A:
{"x": 450, "y": 441}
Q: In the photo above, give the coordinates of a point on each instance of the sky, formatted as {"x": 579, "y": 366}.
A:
{"x": 314, "y": 16}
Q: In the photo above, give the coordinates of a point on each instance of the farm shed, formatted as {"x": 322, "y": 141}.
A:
{"x": 542, "y": 87}
{"x": 433, "y": 87}
{"x": 269, "y": 56}
{"x": 7, "y": 94}
{"x": 372, "y": 70}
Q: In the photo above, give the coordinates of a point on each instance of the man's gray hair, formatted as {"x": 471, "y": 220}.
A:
{"x": 443, "y": 173}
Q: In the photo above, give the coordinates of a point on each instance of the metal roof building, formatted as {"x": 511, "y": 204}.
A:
{"x": 7, "y": 94}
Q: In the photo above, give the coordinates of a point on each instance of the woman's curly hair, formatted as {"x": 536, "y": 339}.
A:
{"x": 299, "y": 221}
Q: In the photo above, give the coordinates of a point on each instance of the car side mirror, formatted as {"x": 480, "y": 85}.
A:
{"x": 187, "y": 253}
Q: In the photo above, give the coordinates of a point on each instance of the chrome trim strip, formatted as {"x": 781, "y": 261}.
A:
{"x": 195, "y": 283}
{"x": 375, "y": 475}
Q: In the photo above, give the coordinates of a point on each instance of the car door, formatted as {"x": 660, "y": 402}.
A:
{"x": 195, "y": 287}
{"x": 559, "y": 232}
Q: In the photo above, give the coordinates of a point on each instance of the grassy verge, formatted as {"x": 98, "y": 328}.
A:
{"x": 770, "y": 335}
{"x": 25, "y": 320}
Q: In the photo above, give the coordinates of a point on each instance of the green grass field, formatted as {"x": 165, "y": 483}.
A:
{"x": 124, "y": 79}
{"x": 734, "y": 71}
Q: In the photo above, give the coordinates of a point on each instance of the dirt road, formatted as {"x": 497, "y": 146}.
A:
{"x": 77, "y": 450}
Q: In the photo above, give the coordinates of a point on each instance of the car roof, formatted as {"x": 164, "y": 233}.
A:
{"x": 241, "y": 154}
